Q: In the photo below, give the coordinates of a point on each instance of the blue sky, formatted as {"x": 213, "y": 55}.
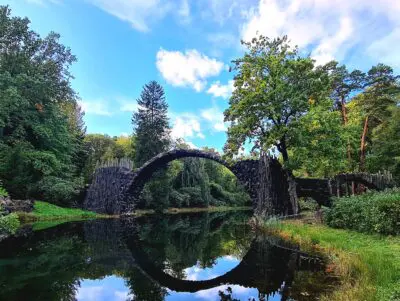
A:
{"x": 187, "y": 46}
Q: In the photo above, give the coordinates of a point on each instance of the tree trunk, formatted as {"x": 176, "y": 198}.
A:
{"x": 294, "y": 201}
{"x": 362, "y": 146}
{"x": 283, "y": 150}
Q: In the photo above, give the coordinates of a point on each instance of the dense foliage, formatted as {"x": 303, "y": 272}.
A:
{"x": 323, "y": 120}
{"x": 373, "y": 212}
{"x": 100, "y": 148}
{"x": 9, "y": 223}
{"x": 40, "y": 122}
{"x": 274, "y": 88}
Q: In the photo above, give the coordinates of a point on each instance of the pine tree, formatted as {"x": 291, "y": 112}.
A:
{"x": 150, "y": 123}
{"x": 151, "y": 128}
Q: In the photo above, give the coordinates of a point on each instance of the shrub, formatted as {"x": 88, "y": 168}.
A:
{"x": 3, "y": 191}
{"x": 372, "y": 212}
{"x": 58, "y": 191}
{"x": 308, "y": 204}
{"x": 9, "y": 223}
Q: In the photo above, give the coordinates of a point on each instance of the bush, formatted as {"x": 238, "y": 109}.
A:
{"x": 372, "y": 212}
{"x": 3, "y": 191}
{"x": 58, "y": 191}
{"x": 308, "y": 204}
{"x": 9, "y": 223}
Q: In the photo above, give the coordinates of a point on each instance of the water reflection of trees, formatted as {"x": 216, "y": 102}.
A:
{"x": 49, "y": 265}
{"x": 182, "y": 241}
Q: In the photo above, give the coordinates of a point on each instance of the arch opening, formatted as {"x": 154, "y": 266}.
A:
{"x": 209, "y": 186}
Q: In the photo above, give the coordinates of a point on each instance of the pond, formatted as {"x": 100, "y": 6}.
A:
{"x": 192, "y": 256}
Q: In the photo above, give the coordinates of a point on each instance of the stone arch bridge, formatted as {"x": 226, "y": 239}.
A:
{"x": 116, "y": 188}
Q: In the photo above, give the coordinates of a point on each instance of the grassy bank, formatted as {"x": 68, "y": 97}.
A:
{"x": 43, "y": 211}
{"x": 368, "y": 265}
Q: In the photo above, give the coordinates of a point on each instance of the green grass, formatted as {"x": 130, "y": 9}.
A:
{"x": 46, "y": 212}
{"x": 43, "y": 209}
{"x": 369, "y": 265}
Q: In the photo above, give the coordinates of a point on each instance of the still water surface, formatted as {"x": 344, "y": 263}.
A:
{"x": 202, "y": 256}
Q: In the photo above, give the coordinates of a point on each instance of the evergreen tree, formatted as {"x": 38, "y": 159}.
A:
{"x": 150, "y": 123}
{"x": 151, "y": 129}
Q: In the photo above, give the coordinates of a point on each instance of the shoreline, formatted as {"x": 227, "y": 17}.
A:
{"x": 46, "y": 212}
{"x": 367, "y": 265}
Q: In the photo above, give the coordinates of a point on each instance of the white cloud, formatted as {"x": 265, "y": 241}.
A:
{"x": 129, "y": 107}
{"x": 91, "y": 293}
{"x": 215, "y": 117}
{"x": 137, "y": 12}
{"x": 329, "y": 29}
{"x": 184, "y": 12}
{"x": 186, "y": 126}
{"x": 218, "y": 90}
{"x": 122, "y": 295}
{"x": 244, "y": 293}
{"x": 44, "y": 2}
{"x": 189, "y": 69}
{"x": 323, "y": 53}
{"x": 387, "y": 49}
{"x": 220, "y": 11}
{"x": 191, "y": 145}
{"x": 96, "y": 107}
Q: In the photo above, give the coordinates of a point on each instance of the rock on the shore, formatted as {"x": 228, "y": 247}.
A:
{"x": 8, "y": 205}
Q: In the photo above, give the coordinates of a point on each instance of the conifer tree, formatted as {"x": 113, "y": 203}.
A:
{"x": 150, "y": 123}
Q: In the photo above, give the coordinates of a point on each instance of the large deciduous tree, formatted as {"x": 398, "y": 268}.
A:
{"x": 40, "y": 139}
{"x": 274, "y": 87}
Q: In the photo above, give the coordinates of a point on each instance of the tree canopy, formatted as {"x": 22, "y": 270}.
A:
{"x": 274, "y": 87}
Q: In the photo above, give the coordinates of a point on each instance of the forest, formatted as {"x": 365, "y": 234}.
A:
{"x": 319, "y": 120}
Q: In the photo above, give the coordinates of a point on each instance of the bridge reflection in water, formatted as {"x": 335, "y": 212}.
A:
{"x": 154, "y": 255}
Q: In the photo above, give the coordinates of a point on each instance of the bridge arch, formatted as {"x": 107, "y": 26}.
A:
{"x": 144, "y": 173}
{"x": 116, "y": 189}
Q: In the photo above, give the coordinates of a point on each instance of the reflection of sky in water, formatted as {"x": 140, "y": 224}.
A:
{"x": 114, "y": 288}
{"x": 111, "y": 288}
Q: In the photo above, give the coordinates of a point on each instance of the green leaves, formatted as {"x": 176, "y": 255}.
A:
{"x": 374, "y": 212}
{"x": 39, "y": 138}
{"x": 150, "y": 123}
{"x": 274, "y": 86}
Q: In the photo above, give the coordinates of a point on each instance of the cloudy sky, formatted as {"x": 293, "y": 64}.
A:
{"x": 187, "y": 46}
